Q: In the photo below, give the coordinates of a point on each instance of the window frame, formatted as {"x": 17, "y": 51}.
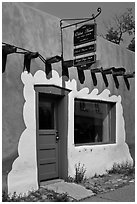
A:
{"x": 112, "y": 120}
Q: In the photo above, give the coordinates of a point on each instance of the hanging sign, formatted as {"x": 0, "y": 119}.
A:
{"x": 85, "y": 34}
{"x": 84, "y": 50}
{"x": 84, "y": 60}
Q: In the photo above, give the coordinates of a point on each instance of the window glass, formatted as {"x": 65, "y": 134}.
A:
{"x": 46, "y": 112}
{"x": 93, "y": 122}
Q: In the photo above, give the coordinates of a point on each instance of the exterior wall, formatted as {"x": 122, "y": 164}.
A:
{"x": 37, "y": 31}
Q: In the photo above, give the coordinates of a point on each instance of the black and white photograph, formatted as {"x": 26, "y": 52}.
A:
{"x": 68, "y": 101}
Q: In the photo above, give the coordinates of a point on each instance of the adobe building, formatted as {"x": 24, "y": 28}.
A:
{"x": 55, "y": 116}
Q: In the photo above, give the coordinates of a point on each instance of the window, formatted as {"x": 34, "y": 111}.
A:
{"x": 94, "y": 122}
{"x": 46, "y": 112}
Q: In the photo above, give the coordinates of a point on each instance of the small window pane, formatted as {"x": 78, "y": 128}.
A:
{"x": 46, "y": 113}
{"x": 92, "y": 121}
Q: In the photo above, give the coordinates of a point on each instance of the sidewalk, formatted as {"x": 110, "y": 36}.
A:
{"x": 74, "y": 190}
{"x": 124, "y": 194}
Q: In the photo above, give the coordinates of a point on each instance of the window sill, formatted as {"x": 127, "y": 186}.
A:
{"x": 92, "y": 144}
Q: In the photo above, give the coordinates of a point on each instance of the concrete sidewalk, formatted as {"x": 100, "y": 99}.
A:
{"x": 124, "y": 194}
{"x": 73, "y": 190}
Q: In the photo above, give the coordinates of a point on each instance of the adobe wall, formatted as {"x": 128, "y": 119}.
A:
{"x": 31, "y": 29}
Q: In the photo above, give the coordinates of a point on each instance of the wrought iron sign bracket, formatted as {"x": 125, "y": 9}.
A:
{"x": 81, "y": 20}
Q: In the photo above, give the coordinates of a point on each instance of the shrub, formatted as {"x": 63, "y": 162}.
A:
{"x": 70, "y": 179}
{"x": 57, "y": 197}
{"x": 35, "y": 196}
{"x": 5, "y": 197}
{"x": 61, "y": 197}
{"x": 13, "y": 198}
{"x": 80, "y": 173}
{"x": 125, "y": 168}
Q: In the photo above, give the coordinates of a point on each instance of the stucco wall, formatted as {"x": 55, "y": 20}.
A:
{"x": 31, "y": 29}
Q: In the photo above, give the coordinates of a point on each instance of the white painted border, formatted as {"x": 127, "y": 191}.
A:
{"x": 23, "y": 176}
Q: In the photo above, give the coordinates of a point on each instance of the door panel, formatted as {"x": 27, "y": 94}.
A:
{"x": 47, "y": 171}
{"x": 47, "y": 143}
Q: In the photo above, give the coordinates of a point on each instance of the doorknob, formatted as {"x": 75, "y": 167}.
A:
{"x": 57, "y": 136}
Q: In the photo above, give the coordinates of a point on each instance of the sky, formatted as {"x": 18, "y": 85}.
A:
{"x": 81, "y": 9}
{"x": 86, "y": 9}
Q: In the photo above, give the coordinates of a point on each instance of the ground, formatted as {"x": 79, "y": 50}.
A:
{"x": 114, "y": 179}
{"x": 108, "y": 182}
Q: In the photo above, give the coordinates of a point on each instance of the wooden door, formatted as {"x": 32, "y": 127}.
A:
{"x": 47, "y": 141}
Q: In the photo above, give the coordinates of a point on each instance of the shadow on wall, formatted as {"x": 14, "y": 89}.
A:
{"x": 6, "y": 168}
{"x": 132, "y": 151}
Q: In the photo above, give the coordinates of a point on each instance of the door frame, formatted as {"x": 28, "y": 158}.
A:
{"x": 60, "y": 95}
